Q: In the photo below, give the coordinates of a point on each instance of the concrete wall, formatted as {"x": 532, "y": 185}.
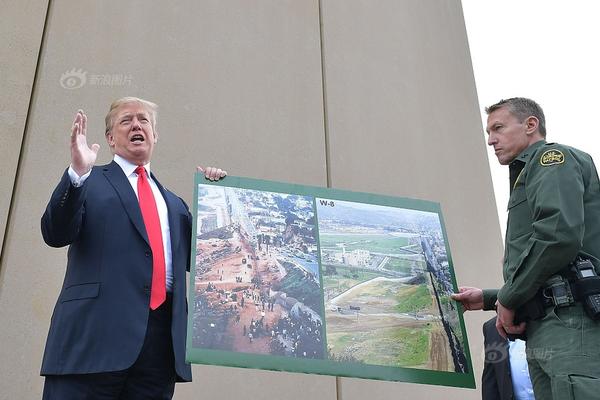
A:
{"x": 363, "y": 95}
{"x": 21, "y": 29}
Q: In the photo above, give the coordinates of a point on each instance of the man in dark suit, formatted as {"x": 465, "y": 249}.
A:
{"x": 504, "y": 361}
{"x": 495, "y": 381}
{"x": 119, "y": 325}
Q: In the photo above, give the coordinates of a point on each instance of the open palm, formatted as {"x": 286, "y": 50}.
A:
{"x": 83, "y": 157}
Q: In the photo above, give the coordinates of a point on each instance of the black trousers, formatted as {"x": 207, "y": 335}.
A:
{"x": 151, "y": 377}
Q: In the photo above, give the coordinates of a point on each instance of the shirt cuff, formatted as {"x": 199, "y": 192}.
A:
{"x": 507, "y": 298}
{"x": 77, "y": 180}
{"x": 489, "y": 299}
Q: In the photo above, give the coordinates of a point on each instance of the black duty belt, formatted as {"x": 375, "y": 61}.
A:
{"x": 578, "y": 283}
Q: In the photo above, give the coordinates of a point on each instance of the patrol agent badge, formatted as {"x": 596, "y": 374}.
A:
{"x": 552, "y": 157}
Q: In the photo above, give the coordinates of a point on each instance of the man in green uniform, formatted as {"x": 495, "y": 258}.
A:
{"x": 553, "y": 220}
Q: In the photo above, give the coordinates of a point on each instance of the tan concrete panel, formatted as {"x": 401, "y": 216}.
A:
{"x": 403, "y": 120}
{"x": 21, "y": 29}
{"x": 238, "y": 383}
{"x": 239, "y": 86}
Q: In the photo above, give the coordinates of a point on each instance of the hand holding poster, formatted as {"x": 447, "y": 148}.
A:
{"x": 306, "y": 279}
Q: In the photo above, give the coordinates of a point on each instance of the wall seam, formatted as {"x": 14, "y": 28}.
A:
{"x": 338, "y": 381}
{"x": 324, "y": 93}
{"x": 23, "y": 139}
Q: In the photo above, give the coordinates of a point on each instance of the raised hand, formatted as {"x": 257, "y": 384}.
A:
{"x": 212, "y": 173}
{"x": 83, "y": 157}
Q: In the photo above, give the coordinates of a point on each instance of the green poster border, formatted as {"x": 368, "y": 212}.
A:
{"x": 317, "y": 366}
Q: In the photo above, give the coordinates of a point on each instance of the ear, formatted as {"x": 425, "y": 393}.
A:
{"x": 110, "y": 139}
{"x": 155, "y": 137}
{"x": 531, "y": 125}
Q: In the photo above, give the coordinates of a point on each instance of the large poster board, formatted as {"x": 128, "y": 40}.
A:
{"x": 308, "y": 279}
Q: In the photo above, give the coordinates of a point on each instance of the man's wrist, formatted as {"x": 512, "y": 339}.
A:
{"x": 489, "y": 299}
{"x": 77, "y": 180}
{"x": 507, "y": 299}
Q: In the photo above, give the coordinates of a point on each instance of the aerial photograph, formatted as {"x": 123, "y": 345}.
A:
{"x": 387, "y": 285}
{"x": 257, "y": 285}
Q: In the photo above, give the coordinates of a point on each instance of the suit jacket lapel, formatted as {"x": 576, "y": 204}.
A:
{"x": 173, "y": 223}
{"x": 115, "y": 176}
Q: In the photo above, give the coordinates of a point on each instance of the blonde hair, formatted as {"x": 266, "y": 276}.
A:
{"x": 114, "y": 107}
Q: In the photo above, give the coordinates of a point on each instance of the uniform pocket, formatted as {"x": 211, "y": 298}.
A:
{"x": 519, "y": 220}
{"x": 585, "y": 387}
{"x": 569, "y": 317}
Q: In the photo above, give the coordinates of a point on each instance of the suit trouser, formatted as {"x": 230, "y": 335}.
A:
{"x": 563, "y": 353}
{"x": 152, "y": 375}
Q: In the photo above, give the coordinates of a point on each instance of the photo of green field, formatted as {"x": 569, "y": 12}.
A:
{"x": 385, "y": 282}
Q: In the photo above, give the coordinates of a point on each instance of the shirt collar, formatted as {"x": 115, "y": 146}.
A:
{"x": 128, "y": 167}
{"x": 528, "y": 152}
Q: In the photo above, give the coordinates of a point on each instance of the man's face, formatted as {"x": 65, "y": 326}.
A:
{"x": 507, "y": 135}
{"x": 132, "y": 135}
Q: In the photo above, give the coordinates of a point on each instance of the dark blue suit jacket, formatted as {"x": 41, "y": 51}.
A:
{"x": 100, "y": 318}
{"x": 496, "y": 379}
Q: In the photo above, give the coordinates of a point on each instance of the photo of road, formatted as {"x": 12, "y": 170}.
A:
{"x": 386, "y": 285}
{"x": 257, "y": 285}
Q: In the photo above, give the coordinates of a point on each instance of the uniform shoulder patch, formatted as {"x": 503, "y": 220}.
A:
{"x": 552, "y": 157}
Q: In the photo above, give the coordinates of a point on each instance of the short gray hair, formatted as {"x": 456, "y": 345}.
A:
{"x": 522, "y": 108}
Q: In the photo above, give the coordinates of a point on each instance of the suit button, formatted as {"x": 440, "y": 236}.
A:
{"x": 147, "y": 254}
{"x": 146, "y": 288}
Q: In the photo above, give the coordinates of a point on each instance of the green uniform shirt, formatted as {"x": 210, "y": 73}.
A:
{"x": 553, "y": 216}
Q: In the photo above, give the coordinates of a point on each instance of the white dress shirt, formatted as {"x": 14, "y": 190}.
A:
{"x": 519, "y": 371}
{"x": 163, "y": 213}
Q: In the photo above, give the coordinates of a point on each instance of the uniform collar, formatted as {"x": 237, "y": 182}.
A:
{"x": 516, "y": 166}
{"x": 528, "y": 152}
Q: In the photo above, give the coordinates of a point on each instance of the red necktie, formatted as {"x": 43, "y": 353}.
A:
{"x": 152, "y": 222}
